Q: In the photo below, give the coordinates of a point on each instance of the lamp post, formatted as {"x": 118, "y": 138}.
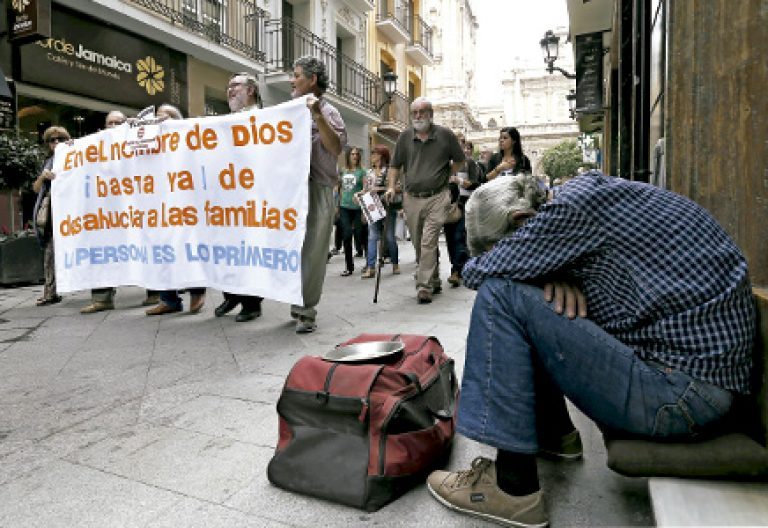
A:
{"x": 550, "y": 48}
{"x": 389, "y": 84}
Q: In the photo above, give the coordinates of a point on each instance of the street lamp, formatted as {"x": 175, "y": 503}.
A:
{"x": 572, "y": 103}
{"x": 550, "y": 47}
{"x": 389, "y": 82}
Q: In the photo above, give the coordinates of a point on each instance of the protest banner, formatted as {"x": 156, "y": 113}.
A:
{"x": 218, "y": 201}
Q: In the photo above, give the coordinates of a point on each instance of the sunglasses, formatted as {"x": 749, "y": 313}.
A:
{"x": 57, "y": 140}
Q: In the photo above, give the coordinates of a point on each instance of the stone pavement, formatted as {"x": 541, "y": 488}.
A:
{"x": 117, "y": 419}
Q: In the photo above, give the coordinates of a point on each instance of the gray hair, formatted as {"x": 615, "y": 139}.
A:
{"x": 311, "y": 66}
{"x": 253, "y": 82}
{"x": 491, "y": 208}
{"x": 170, "y": 110}
{"x": 422, "y": 100}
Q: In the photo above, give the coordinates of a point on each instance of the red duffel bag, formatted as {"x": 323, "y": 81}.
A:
{"x": 362, "y": 434}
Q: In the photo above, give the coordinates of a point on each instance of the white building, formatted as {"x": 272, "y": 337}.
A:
{"x": 535, "y": 102}
{"x": 451, "y": 79}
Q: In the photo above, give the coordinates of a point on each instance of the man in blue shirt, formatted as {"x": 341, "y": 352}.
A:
{"x": 629, "y": 300}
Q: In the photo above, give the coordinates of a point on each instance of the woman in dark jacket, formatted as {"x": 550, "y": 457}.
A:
{"x": 42, "y": 214}
{"x": 510, "y": 158}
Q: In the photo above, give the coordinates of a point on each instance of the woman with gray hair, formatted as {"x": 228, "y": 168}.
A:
{"x": 496, "y": 209}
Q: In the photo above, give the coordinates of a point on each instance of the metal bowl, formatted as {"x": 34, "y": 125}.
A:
{"x": 359, "y": 352}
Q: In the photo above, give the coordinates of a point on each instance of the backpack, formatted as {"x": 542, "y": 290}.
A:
{"x": 362, "y": 434}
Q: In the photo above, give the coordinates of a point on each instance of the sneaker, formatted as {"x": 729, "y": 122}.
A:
{"x": 424, "y": 296}
{"x": 305, "y": 325}
{"x": 476, "y": 493}
{"x": 369, "y": 273}
{"x": 454, "y": 280}
{"x": 97, "y": 307}
{"x": 567, "y": 447}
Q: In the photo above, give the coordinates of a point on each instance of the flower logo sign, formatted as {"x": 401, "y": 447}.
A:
{"x": 150, "y": 75}
{"x": 20, "y": 5}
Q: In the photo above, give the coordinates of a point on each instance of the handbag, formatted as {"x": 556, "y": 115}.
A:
{"x": 454, "y": 213}
{"x": 43, "y": 212}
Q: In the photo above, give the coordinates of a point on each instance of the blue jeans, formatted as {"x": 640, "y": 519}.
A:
{"x": 374, "y": 233}
{"x": 173, "y": 299}
{"x": 522, "y": 355}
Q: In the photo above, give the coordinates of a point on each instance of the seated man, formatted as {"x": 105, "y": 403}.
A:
{"x": 629, "y": 300}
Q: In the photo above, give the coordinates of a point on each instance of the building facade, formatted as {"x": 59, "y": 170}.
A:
{"x": 451, "y": 79}
{"x": 536, "y": 103}
{"x": 129, "y": 54}
{"x": 400, "y": 42}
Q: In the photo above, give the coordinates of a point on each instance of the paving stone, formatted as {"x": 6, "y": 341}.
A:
{"x": 65, "y": 495}
{"x": 197, "y": 465}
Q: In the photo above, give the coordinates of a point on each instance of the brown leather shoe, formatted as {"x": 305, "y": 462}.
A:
{"x": 151, "y": 299}
{"x": 196, "y": 302}
{"x": 424, "y": 296}
{"x": 97, "y": 307}
{"x": 454, "y": 280}
{"x": 162, "y": 309}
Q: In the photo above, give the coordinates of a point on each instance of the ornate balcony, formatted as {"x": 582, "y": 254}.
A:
{"x": 237, "y": 24}
{"x": 392, "y": 19}
{"x": 286, "y": 41}
{"x": 394, "y": 116}
{"x": 420, "y": 47}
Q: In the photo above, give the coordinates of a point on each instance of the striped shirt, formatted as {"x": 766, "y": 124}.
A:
{"x": 657, "y": 270}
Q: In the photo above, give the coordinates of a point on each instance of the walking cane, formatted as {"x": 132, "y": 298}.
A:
{"x": 380, "y": 249}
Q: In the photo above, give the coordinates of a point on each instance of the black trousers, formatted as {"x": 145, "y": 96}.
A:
{"x": 250, "y": 303}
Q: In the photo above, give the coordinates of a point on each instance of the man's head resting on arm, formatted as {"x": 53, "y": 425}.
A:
{"x": 497, "y": 208}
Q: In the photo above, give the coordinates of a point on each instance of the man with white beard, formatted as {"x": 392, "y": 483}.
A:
{"x": 426, "y": 155}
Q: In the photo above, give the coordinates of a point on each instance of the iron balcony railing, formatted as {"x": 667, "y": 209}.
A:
{"x": 421, "y": 34}
{"x": 235, "y": 24}
{"x": 396, "y": 111}
{"x": 286, "y": 41}
{"x": 397, "y": 11}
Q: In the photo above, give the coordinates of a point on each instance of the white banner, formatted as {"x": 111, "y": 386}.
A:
{"x": 218, "y": 201}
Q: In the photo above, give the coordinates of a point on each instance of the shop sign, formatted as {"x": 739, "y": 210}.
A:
{"x": 589, "y": 73}
{"x": 86, "y": 57}
{"x": 28, "y": 20}
{"x": 8, "y": 108}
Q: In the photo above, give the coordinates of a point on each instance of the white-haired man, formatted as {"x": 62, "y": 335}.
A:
{"x": 629, "y": 300}
{"x": 426, "y": 155}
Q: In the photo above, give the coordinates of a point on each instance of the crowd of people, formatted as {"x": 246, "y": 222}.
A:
{"x": 438, "y": 174}
{"x": 629, "y": 300}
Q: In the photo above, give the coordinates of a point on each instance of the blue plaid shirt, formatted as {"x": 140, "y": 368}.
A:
{"x": 657, "y": 270}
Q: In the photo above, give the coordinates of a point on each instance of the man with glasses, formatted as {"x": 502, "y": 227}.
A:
{"x": 426, "y": 154}
{"x": 242, "y": 96}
